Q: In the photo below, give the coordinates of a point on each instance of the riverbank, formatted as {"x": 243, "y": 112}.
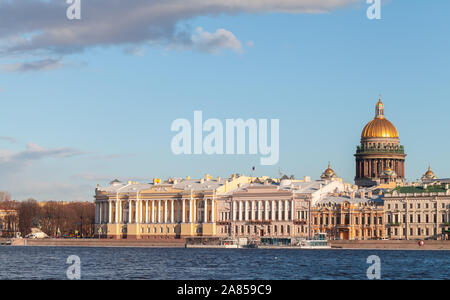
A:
{"x": 180, "y": 243}
{"x": 391, "y": 245}
{"x": 169, "y": 243}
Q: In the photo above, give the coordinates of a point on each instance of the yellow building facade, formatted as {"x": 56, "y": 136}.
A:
{"x": 171, "y": 209}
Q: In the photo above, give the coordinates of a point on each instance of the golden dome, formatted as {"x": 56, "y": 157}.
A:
{"x": 328, "y": 173}
{"x": 389, "y": 172}
{"x": 429, "y": 174}
{"x": 379, "y": 127}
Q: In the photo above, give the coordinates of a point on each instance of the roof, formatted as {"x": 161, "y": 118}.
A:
{"x": 341, "y": 199}
{"x": 191, "y": 184}
{"x": 199, "y": 185}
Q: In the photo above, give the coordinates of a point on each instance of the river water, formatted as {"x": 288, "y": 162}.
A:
{"x": 218, "y": 264}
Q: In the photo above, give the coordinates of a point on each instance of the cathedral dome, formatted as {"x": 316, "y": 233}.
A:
{"x": 379, "y": 127}
{"x": 429, "y": 175}
{"x": 328, "y": 173}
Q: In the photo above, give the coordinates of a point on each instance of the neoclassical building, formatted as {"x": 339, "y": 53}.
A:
{"x": 239, "y": 206}
{"x": 170, "y": 209}
{"x": 418, "y": 212}
{"x": 380, "y": 159}
{"x": 350, "y": 216}
{"x": 273, "y": 209}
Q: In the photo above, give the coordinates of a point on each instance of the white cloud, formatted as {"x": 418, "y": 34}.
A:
{"x": 216, "y": 42}
{"x": 40, "y": 27}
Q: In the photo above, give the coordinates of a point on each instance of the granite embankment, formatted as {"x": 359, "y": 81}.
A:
{"x": 369, "y": 244}
{"x": 99, "y": 242}
{"x": 391, "y": 245}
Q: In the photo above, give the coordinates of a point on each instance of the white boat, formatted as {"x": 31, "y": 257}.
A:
{"x": 319, "y": 241}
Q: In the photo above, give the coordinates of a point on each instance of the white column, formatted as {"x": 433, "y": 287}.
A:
{"x": 136, "y": 215}
{"x": 146, "y": 211}
{"x": 253, "y": 210}
{"x": 233, "y": 210}
{"x": 280, "y": 207}
{"x": 116, "y": 219}
{"x": 239, "y": 208}
{"x": 266, "y": 211}
{"x": 178, "y": 211}
{"x": 212, "y": 211}
{"x": 153, "y": 211}
{"x": 286, "y": 210}
{"x": 195, "y": 211}
{"x": 110, "y": 212}
{"x": 130, "y": 207}
{"x": 165, "y": 211}
{"x": 140, "y": 211}
{"x": 159, "y": 211}
{"x": 259, "y": 211}
{"x": 172, "y": 218}
{"x": 183, "y": 216}
{"x": 292, "y": 210}
{"x": 190, "y": 210}
{"x": 246, "y": 211}
{"x": 205, "y": 211}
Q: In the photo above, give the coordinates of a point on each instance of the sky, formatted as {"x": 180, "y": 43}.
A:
{"x": 90, "y": 100}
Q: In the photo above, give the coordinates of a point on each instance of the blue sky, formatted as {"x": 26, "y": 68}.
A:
{"x": 102, "y": 113}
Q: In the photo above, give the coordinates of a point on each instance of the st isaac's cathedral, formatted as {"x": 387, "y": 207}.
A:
{"x": 380, "y": 159}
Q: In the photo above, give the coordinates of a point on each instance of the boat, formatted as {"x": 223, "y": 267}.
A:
{"x": 319, "y": 241}
{"x": 230, "y": 243}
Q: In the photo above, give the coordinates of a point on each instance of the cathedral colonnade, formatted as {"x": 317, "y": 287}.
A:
{"x": 375, "y": 167}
